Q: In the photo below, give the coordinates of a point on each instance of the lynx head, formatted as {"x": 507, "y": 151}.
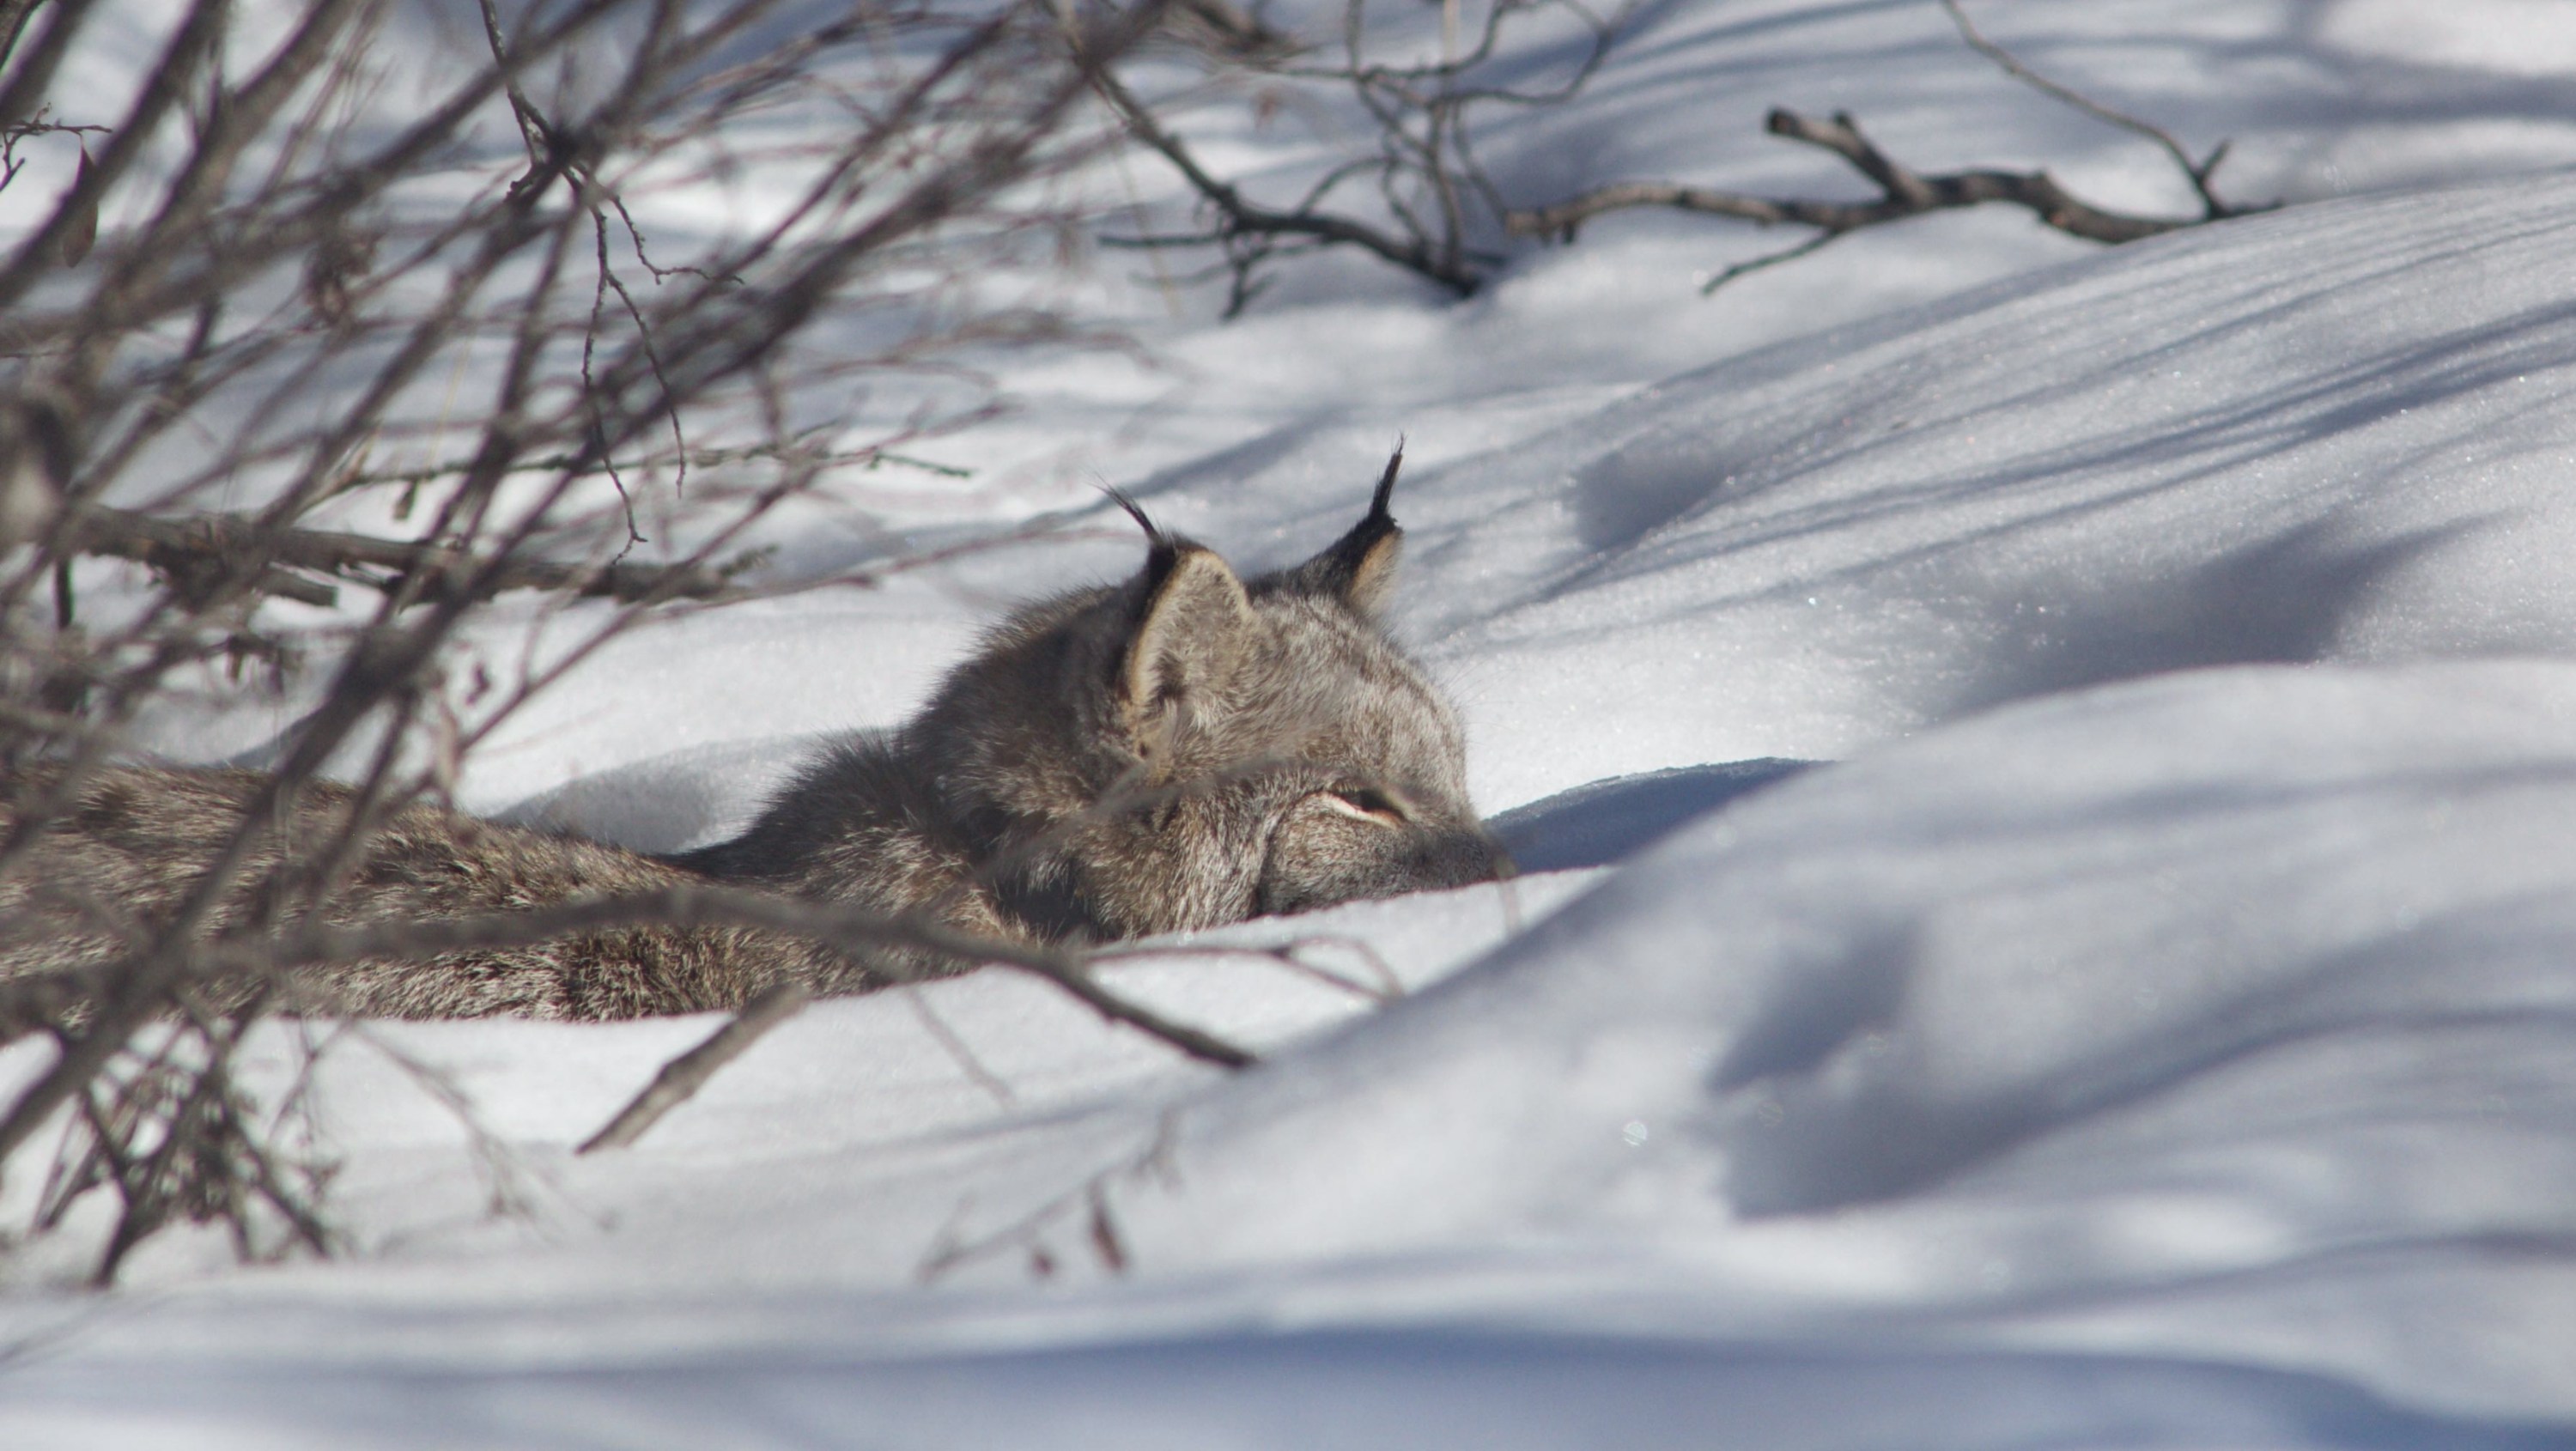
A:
{"x": 1234, "y": 747}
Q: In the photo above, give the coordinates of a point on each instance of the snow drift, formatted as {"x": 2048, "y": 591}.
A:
{"x": 2160, "y": 1030}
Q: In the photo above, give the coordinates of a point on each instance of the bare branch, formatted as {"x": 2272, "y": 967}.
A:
{"x": 1228, "y": 31}
{"x": 957, "y": 1048}
{"x": 1440, "y": 203}
{"x": 1443, "y": 212}
{"x": 1733, "y": 270}
{"x": 1090, "y": 1198}
{"x": 1241, "y": 221}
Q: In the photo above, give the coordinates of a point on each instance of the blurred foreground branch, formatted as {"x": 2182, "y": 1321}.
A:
{"x": 199, "y": 553}
{"x": 315, "y": 292}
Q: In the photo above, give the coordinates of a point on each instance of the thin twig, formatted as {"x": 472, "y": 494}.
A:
{"x": 2212, "y": 209}
{"x": 1028, "y": 1232}
{"x": 682, "y": 1077}
{"x": 959, "y": 1051}
{"x": 1387, "y": 988}
{"x": 1733, "y": 270}
{"x": 198, "y": 551}
{"x": 696, "y": 458}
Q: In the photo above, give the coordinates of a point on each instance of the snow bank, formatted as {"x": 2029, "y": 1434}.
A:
{"x": 2099, "y": 1056}
{"x": 2184, "y": 988}
{"x": 2184, "y": 1062}
{"x": 2335, "y": 433}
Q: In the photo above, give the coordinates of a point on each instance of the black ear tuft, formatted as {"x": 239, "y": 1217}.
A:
{"x": 1161, "y": 548}
{"x": 1359, "y": 568}
{"x": 1135, "y": 511}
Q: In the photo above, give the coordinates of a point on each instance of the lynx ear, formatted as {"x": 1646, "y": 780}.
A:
{"x": 1359, "y": 569}
{"x": 1195, "y": 628}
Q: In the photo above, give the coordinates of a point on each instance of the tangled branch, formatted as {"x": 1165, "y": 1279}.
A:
{"x": 1445, "y": 219}
{"x": 1251, "y": 233}
{"x": 1903, "y": 192}
{"x": 303, "y": 264}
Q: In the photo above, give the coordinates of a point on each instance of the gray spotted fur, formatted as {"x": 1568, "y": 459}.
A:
{"x": 1181, "y": 750}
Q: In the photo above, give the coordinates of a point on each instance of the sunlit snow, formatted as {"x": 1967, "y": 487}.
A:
{"x": 2152, "y": 1024}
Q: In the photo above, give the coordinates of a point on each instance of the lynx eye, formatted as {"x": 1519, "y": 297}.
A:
{"x": 1366, "y": 801}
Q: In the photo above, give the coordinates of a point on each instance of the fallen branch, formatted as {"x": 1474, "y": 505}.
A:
{"x": 682, "y": 1077}
{"x": 1440, "y": 197}
{"x": 957, "y": 1049}
{"x": 1436, "y": 201}
{"x": 1386, "y": 989}
{"x": 1902, "y": 193}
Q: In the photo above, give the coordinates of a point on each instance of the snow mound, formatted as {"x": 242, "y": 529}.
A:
{"x": 1596, "y": 824}
{"x": 2183, "y": 1016}
{"x": 2343, "y": 432}
{"x": 2231, "y": 1013}
{"x": 2186, "y": 1062}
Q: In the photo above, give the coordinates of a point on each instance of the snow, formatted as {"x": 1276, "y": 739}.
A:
{"x": 2157, "y": 1027}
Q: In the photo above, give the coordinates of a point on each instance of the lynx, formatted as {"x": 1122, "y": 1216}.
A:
{"x": 1184, "y": 749}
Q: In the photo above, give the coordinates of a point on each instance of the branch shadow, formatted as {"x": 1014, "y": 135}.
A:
{"x": 1818, "y": 1141}
{"x": 2281, "y": 600}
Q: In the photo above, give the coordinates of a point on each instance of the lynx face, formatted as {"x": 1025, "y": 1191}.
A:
{"x": 1259, "y": 747}
{"x": 1377, "y": 802}
{"x": 1345, "y": 844}
{"x": 1281, "y": 708}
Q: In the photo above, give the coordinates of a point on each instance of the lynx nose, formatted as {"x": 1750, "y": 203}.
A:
{"x": 1464, "y": 858}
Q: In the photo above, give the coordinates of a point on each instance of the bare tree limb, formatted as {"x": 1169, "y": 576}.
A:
{"x": 959, "y": 1051}
{"x": 1733, "y": 270}
{"x": 1227, "y": 30}
{"x": 1098, "y": 1228}
{"x": 790, "y": 451}
{"x": 1386, "y": 989}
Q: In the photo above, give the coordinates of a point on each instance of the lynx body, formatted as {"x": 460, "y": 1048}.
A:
{"x": 1181, "y": 750}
